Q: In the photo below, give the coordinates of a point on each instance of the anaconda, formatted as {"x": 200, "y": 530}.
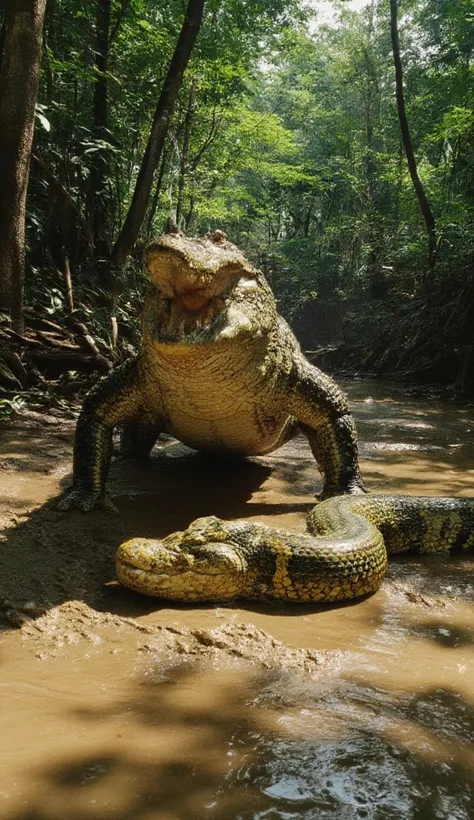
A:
{"x": 343, "y": 556}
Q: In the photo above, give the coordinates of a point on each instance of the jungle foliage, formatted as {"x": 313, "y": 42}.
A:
{"x": 285, "y": 134}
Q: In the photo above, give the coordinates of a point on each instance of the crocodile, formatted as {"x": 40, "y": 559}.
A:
{"x": 218, "y": 369}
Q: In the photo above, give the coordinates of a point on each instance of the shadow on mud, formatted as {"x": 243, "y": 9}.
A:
{"x": 49, "y": 557}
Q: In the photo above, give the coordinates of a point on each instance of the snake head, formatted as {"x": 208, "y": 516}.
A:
{"x": 195, "y": 565}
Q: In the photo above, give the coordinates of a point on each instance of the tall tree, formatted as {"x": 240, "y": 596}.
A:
{"x": 100, "y": 133}
{"x": 164, "y": 110}
{"x": 183, "y": 160}
{"x": 406, "y": 137}
{"x": 19, "y": 74}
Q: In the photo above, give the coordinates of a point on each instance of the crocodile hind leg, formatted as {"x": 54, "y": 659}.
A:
{"x": 115, "y": 400}
{"x": 138, "y": 438}
{"x": 323, "y": 414}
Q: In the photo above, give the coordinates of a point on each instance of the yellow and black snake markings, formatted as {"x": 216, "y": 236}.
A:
{"x": 343, "y": 556}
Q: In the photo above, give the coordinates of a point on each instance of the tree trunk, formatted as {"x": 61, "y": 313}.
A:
{"x": 405, "y": 131}
{"x": 2, "y": 37}
{"x": 156, "y": 196}
{"x": 172, "y": 84}
{"x": 98, "y": 208}
{"x": 18, "y": 89}
{"x": 185, "y": 150}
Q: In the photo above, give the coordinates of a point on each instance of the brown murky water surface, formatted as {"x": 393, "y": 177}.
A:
{"x": 114, "y": 706}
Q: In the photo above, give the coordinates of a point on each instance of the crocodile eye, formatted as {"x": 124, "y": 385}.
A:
{"x": 217, "y": 236}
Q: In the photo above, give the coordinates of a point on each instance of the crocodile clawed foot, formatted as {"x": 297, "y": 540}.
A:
{"x": 86, "y": 500}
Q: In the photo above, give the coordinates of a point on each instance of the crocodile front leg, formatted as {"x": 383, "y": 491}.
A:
{"x": 115, "y": 400}
{"x": 323, "y": 415}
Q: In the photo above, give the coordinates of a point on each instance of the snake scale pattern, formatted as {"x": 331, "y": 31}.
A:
{"x": 343, "y": 556}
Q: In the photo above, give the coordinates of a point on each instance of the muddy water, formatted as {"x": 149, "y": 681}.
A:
{"x": 115, "y": 706}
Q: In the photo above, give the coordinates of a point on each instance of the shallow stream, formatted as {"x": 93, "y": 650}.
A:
{"x": 117, "y": 706}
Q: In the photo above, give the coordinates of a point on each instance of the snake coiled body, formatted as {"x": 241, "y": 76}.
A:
{"x": 343, "y": 555}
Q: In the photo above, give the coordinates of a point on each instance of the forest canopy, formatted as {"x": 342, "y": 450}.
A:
{"x": 286, "y": 133}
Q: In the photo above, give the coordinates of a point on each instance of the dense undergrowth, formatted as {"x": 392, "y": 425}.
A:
{"x": 286, "y": 136}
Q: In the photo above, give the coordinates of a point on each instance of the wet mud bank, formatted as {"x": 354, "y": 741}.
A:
{"x": 118, "y": 706}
